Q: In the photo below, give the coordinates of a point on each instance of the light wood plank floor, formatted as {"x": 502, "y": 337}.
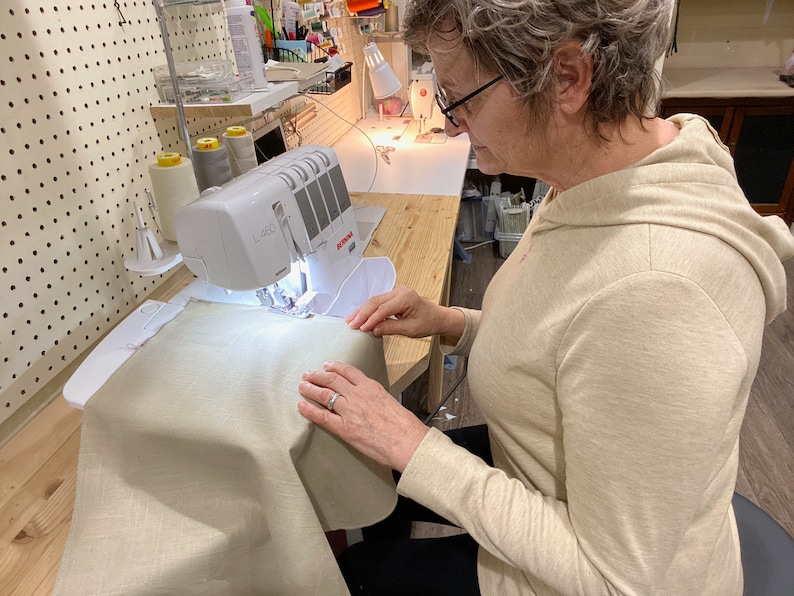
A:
{"x": 766, "y": 474}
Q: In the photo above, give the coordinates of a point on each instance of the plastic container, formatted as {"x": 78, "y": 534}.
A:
{"x": 196, "y": 71}
{"x": 222, "y": 91}
{"x": 202, "y": 81}
{"x": 473, "y": 220}
{"x": 507, "y": 242}
{"x": 246, "y": 42}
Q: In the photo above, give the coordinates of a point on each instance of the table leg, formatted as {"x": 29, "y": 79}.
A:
{"x": 435, "y": 367}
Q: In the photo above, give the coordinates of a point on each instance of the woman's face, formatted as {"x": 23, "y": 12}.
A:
{"x": 493, "y": 119}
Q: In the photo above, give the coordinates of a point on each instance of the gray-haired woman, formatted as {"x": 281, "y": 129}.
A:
{"x": 615, "y": 348}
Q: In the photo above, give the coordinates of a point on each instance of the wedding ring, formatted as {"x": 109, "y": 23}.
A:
{"x": 332, "y": 401}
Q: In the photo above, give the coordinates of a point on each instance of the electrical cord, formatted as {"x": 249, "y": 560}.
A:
{"x": 484, "y": 243}
{"x": 354, "y": 125}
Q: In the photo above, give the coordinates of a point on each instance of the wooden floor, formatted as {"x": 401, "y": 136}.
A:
{"x": 766, "y": 474}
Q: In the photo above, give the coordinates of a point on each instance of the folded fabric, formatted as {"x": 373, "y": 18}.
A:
{"x": 371, "y": 12}
{"x": 197, "y": 474}
{"x": 358, "y": 6}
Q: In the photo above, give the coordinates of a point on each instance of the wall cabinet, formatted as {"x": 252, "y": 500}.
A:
{"x": 760, "y": 135}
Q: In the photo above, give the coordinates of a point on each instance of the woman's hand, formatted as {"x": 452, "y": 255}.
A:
{"x": 364, "y": 414}
{"x": 404, "y": 312}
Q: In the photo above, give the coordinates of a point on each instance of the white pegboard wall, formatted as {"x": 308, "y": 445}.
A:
{"x": 77, "y": 137}
{"x": 197, "y": 32}
{"x": 336, "y": 112}
{"x": 77, "y": 140}
{"x": 334, "y": 115}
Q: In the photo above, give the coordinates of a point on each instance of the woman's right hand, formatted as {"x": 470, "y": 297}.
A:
{"x": 404, "y": 312}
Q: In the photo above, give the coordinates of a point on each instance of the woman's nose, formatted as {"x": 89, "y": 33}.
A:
{"x": 451, "y": 130}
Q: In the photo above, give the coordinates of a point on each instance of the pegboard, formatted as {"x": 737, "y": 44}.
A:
{"x": 77, "y": 140}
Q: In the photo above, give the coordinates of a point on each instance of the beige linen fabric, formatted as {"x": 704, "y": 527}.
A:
{"x": 197, "y": 474}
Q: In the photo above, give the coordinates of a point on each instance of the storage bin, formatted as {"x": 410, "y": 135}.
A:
{"x": 473, "y": 220}
{"x": 232, "y": 89}
{"x": 202, "y": 81}
{"x": 507, "y": 242}
{"x": 334, "y": 81}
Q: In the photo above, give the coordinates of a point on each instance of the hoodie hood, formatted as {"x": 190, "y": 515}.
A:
{"x": 690, "y": 183}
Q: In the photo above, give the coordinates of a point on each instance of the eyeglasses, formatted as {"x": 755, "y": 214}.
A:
{"x": 447, "y": 108}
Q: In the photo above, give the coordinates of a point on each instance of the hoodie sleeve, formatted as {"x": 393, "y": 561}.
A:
{"x": 469, "y": 333}
{"x": 651, "y": 386}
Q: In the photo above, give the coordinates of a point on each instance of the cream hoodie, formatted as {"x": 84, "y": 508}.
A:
{"x": 612, "y": 359}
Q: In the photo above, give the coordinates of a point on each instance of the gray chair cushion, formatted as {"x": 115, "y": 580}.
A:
{"x": 767, "y": 551}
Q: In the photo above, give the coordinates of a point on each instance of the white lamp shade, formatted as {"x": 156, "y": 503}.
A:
{"x": 381, "y": 76}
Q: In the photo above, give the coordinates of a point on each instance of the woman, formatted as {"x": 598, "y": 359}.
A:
{"x": 616, "y": 347}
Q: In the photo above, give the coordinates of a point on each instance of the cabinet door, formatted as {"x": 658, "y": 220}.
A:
{"x": 762, "y": 142}
{"x": 719, "y": 117}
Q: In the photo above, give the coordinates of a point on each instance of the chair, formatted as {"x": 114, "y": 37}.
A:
{"x": 767, "y": 551}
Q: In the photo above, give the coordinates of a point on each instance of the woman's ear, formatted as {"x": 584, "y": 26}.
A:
{"x": 574, "y": 73}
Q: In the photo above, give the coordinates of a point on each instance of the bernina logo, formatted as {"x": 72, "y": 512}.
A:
{"x": 344, "y": 240}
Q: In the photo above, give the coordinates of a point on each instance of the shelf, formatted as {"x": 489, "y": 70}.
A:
{"x": 387, "y": 36}
{"x": 186, "y": 2}
{"x": 253, "y": 104}
{"x": 723, "y": 83}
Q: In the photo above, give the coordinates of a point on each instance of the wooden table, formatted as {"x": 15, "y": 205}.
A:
{"x": 38, "y": 466}
{"x": 416, "y": 233}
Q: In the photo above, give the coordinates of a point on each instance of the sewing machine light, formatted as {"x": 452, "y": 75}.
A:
{"x": 381, "y": 76}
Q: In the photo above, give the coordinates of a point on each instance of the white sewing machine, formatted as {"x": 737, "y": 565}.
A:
{"x": 283, "y": 234}
{"x": 289, "y": 219}
{"x": 427, "y": 116}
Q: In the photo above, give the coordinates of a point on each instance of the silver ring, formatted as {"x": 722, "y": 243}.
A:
{"x": 332, "y": 401}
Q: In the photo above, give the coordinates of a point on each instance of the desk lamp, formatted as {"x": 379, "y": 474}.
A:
{"x": 381, "y": 76}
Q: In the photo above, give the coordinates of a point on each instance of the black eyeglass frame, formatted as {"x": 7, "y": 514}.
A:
{"x": 441, "y": 99}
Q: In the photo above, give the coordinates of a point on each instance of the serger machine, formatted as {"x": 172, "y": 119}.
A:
{"x": 283, "y": 234}
{"x": 285, "y": 229}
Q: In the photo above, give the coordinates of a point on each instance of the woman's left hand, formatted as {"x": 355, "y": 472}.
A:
{"x": 364, "y": 414}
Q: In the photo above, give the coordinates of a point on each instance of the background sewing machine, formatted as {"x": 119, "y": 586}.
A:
{"x": 284, "y": 235}
{"x": 428, "y": 121}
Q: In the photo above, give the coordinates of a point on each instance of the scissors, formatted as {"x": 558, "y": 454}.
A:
{"x": 383, "y": 151}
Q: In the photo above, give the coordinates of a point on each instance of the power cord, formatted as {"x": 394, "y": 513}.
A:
{"x": 354, "y": 125}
